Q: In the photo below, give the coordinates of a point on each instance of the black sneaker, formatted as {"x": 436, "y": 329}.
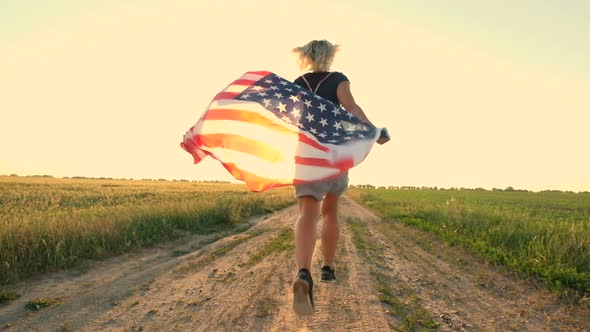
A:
{"x": 303, "y": 293}
{"x": 328, "y": 274}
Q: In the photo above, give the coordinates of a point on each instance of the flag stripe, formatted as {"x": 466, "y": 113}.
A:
{"x": 246, "y": 116}
{"x": 342, "y": 165}
{"x": 244, "y": 82}
{"x": 255, "y": 182}
{"x": 226, "y": 95}
{"x": 251, "y": 106}
{"x": 285, "y": 141}
{"x": 258, "y": 183}
{"x": 266, "y": 152}
{"x": 305, "y": 139}
{"x": 190, "y": 146}
{"x": 272, "y": 170}
{"x": 256, "y": 118}
{"x": 242, "y": 144}
{"x": 280, "y": 141}
{"x": 255, "y": 75}
{"x": 257, "y": 108}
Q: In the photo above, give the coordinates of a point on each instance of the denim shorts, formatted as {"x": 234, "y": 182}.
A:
{"x": 318, "y": 190}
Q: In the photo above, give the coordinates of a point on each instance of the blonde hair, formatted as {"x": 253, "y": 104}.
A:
{"x": 317, "y": 55}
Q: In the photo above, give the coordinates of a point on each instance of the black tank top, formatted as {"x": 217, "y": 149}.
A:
{"x": 328, "y": 83}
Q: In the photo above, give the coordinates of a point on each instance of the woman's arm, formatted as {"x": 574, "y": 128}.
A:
{"x": 347, "y": 100}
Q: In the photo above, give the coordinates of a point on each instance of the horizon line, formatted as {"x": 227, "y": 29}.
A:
{"x": 387, "y": 187}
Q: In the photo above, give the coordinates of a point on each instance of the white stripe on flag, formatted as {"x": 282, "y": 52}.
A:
{"x": 236, "y": 88}
{"x": 251, "y": 106}
{"x": 286, "y": 143}
{"x": 257, "y": 108}
{"x": 251, "y": 77}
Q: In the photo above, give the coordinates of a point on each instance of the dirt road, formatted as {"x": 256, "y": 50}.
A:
{"x": 242, "y": 282}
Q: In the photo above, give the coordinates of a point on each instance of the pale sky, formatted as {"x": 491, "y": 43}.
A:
{"x": 474, "y": 93}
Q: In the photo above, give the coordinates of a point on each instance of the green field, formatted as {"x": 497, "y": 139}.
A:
{"x": 48, "y": 223}
{"x": 545, "y": 235}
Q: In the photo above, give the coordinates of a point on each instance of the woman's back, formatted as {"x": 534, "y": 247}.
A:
{"x": 324, "y": 84}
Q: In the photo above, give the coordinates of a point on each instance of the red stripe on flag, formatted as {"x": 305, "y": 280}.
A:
{"x": 242, "y": 144}
{"x": 261, "y": 73}
{"x": 243, "y": 82}
{"x": 190, "y": 146}
{"x": 309, "y": 141}
{"x": 226, "y": 95}
{"x": 342, "y": 165}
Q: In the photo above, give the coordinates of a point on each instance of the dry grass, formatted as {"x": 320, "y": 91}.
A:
{"x": 48, "y": 223}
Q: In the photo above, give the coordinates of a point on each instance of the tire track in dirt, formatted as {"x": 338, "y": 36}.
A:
{"x": 208, "y": 292}
{"x": 90, "y": 292}
{"x": 87, "y": 294}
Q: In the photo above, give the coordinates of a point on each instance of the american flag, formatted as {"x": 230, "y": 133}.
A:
{"x": 269, "y": 132}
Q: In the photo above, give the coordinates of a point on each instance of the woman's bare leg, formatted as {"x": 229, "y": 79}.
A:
{"x": 330, "y": 228}
{"x": 305, "y": 231}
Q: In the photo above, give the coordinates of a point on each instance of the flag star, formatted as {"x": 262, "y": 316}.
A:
{"x": 279, "y": 95}
{"x": 347, "y": 138}
{"x": 289, "y": 89}
{"x": 266, "y": 102}
{"x": 351, "y": 127}
{"x": 303, "y": 92}
{"x": 309, "y": 117}
{"x": 257, "y": 88}
{"x": 262, "y": 94}
{"x": 350, "y": 116}
{"x": 361, "y": 136}
{"x": 300, "y": 125}
{"x": 322, "y": 107}
{"x": 282, "y": 107}
{"x": 284, "y": 83}
{"x": 317, "y": 97}
{"x": 336, "y": 111}
{"x": 332, "y": 141}
{"x": 337, "y": 125}
{"x": 294, "y": 98}
{"x": 272, "y": 87}
{"x": 245, "y": 96}
{"x": 286, "y": 119}
{"x": 313, "y": 131}
{"x": 307, "y": 103}
{"x": 322, "y": 135}
{"x": 296, "y": 112}
{"x": 268, "y": 81}
{"x": 336, "y": 134}
{"x": 323, "y": 122}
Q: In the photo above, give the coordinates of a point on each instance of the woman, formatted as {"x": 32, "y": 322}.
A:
{"x": 321, "y": 198}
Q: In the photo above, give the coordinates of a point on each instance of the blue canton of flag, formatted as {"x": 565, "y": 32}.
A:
{"x": 327, "y": 122}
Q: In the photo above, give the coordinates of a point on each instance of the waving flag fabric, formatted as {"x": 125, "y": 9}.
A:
{"x": 269, "y": 132}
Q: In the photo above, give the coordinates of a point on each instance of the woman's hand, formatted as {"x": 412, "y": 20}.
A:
{"x": 383, "y": 137}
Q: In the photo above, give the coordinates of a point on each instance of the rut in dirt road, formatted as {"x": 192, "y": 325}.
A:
{"x": 242, "y": 282}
